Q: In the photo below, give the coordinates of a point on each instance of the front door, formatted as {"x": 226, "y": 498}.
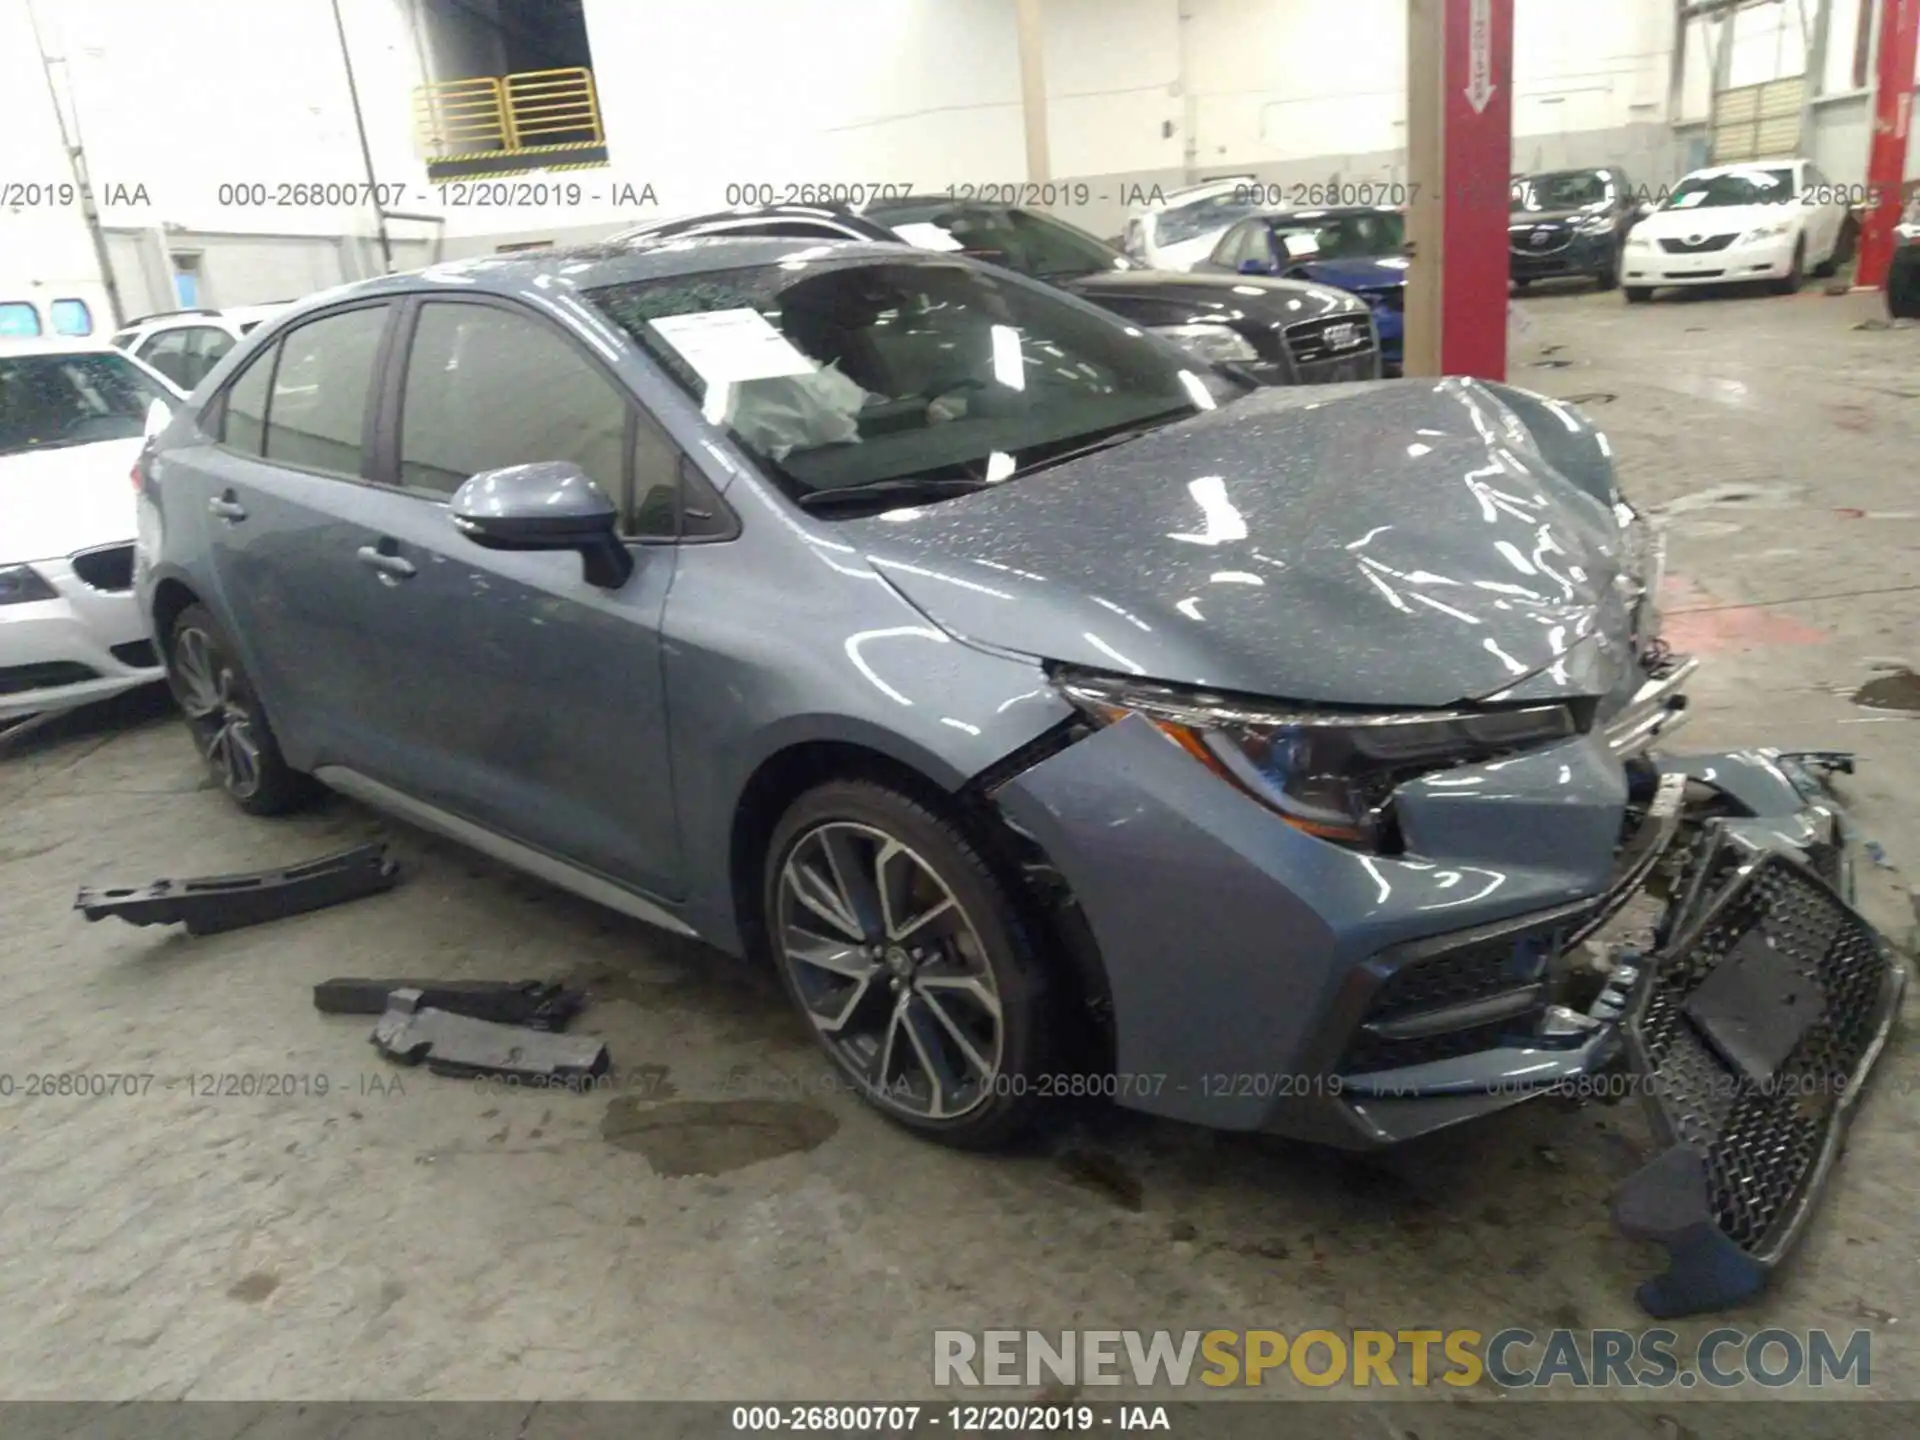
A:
{"x": 499, "y": 686}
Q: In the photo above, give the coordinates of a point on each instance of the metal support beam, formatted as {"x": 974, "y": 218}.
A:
{"x": 366, "y": 149}
{"x": 1460, "y": 170}
{"x": 77, "y": 159}
{"x": 1813, "y": 34}
{"x": 1033, "y": 87}
{"x": 1887, "y": 150}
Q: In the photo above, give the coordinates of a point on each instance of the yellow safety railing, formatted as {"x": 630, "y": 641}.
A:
{"x": 504, "y": 114}
{"x": 549, "y": 107}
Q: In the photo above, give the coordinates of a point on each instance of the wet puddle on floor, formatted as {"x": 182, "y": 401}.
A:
{"x": 712, "y": 1137}
{"x": 1898, "y": 691}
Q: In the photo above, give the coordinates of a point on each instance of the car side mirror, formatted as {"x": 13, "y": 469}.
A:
{"x": 549, "y": 505}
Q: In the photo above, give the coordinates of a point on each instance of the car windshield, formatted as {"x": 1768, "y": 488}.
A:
{"x": 1033, "y": 244}
{"x": 843, "y": 373}
{"x": 1564, "y": 190}
{"x": 50, "y": 401}
{"x": 1342, "y": 237}
{"x": 1735, "y": 187}
{"x": 1202, "y": 217}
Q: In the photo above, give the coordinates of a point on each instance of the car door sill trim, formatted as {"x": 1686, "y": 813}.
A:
{"x": 583, "y": 883}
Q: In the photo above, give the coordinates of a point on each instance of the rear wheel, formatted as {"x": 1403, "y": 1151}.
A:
{"x": 225, "y": 717}
{"x": 1638, "y": 294}
{"x": 910, "y": 960}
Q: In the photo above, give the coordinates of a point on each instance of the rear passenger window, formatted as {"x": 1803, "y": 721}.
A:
{"x": 243, "y": 424}
{"x": 487, "y": 388}
{"x": 317, "y": 412}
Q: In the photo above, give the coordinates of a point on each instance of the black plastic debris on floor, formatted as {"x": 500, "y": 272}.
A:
{"x": 212, "y": 904}
{"x": 411, "y": 1033}
{"x": 536, "y": 1004}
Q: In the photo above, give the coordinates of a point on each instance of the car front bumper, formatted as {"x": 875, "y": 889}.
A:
{"x": 1655, "y": 268}
{"x": 84, "y": 644}
{"x": 1258, "y": 979}
{"x": 1582, "y": 255}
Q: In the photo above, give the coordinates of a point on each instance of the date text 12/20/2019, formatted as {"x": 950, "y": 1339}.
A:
{"x": 951, "y": 1419}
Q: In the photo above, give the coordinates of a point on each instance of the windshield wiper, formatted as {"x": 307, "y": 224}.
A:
{"x": 919, "y": 487}
{"x": 1105, "y": 442}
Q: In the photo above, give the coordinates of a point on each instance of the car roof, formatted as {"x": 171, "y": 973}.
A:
{"x": 56, "y": 345}
{"x": 1205, "y": 190}
{"x": 1326, "y": 212}
{"x": 1708, "y": 172}
{"x": 538, "y": 274}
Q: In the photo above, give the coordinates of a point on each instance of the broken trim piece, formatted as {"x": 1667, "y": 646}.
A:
{"x": 536, "y": 1004}
{"x": 212, "y": 904}
{"x": 411, "y": 1033}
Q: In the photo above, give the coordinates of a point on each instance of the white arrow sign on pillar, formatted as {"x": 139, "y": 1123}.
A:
{"x": 1479, "y": 55}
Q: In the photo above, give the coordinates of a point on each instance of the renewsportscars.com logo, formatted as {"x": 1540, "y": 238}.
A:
{"x": 1513, "y": 1359}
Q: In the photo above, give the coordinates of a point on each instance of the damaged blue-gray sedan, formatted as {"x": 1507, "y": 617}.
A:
{"x": 1062, "y": 715}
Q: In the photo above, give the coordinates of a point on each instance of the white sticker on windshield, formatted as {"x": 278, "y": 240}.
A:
{"x": 1298, "y": 245}
{"x": 927, "y": 236}
{"x": 732, "y": 345}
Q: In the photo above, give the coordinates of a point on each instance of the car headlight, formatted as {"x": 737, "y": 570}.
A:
{"x": 22, "y": 584}
{"x": 1328, "y": 773}
{"x": 1767, "y": 231}
{"x": 1209, "y": 342}
{"x": 1594, "y": 224}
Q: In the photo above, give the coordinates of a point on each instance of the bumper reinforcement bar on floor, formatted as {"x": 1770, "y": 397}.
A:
{"x": 212, "y": 904}
{"x": 1754, "y": 1032}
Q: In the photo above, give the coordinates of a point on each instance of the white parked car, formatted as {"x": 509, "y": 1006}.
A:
{"x": 184, "y": 345}
{"x": 73, "y": 416}
{"x": 1181, "y": 228}
{"x": 1769, "y": 220}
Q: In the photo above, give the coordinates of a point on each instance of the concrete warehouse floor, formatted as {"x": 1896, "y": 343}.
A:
{"x": 444, "y": 1241}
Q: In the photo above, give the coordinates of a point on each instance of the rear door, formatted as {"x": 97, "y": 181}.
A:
{"x": 275, "y": 490}
{"x": 501, "y": 687}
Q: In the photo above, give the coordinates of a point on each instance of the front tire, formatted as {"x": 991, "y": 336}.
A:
{"x": 228, "y": 723}
{"x": 911, "y": 961}
{"x": 1608, "y": 278}
{"x": 1638, "y": 294}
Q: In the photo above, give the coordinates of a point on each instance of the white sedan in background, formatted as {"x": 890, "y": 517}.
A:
{"x": 1182, "y": 227}
{"x": 1769, "y": 220}
{"x": 73, "y": 417}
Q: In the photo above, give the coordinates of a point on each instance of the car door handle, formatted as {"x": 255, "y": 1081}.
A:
{"x": 396, "y": 566}
{"x": 227, "y": 508}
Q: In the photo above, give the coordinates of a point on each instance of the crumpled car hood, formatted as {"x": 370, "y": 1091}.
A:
{"x": 1404, "y": 543}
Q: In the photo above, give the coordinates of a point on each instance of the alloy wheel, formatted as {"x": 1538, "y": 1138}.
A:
{"x": 215, "y": 703}
{"x": 891, "y": 969}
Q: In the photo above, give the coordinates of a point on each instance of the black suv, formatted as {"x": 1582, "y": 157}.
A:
{"x": 1274, "y": 332}
{"x": 1571, "y": 223}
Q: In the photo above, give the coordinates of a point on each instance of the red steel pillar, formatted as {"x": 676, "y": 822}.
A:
{"x": 1887, "y": 151}
{"x": 1460, "y": 167}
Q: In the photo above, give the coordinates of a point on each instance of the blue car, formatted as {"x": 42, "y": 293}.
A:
{"x": 1360, "y": 249}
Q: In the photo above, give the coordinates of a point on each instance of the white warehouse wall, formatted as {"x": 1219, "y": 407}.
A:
{"x": 183, "y": 95}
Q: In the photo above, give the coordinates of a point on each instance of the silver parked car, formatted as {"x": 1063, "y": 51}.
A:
{"x": 1044, "y": 703}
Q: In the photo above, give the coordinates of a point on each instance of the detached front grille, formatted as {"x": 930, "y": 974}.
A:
{"x": 1763, "y": 1143}
{"x": 1333, "y": 337}
{"x": 1697, "y": 247}
{"x": 19, "y": 679}
{"x": 108, "y": 568}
